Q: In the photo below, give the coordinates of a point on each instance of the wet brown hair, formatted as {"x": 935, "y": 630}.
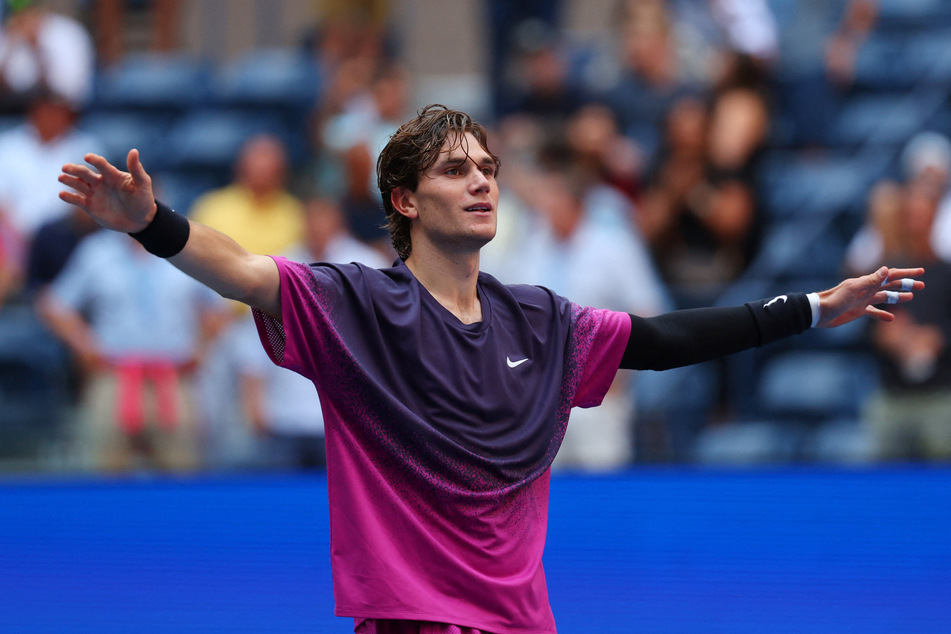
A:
{"x": 411, "y": 151}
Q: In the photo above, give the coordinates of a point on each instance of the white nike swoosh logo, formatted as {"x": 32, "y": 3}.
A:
{"x": 774, "y": 300}
{"x": 514, "y": 364}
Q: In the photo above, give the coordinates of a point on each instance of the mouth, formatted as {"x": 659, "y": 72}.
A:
{"x": 479, "y": 208}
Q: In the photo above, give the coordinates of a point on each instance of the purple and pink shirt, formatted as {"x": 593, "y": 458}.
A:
{"x": 440, "y": 434}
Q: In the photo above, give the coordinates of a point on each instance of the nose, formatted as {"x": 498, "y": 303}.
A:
{"x": 480, "y": 182}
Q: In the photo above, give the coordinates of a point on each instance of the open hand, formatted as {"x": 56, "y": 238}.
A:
{"x": 859, "y": 296}
{"x": 117, "y": 200}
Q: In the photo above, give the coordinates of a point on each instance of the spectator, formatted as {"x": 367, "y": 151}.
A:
{"x": 259, "y": 211}
{"x": 699, "y": 210}
{"x": 819, "y": 42}
{"x": 510, "y": 23}
{"x": 256, "y": 209}
{"x": 651, "y": 77}
{"x": 52, "y": 246}
{"x": 909, "y": 415}
{"x": 282, "y": 407}
{"x": 43, "y": 52}
{"x": 138, "y": 329}
{"x": 602, "y": 152}
{"x": 10, "y": 262}
{"x": 32, "y": 155}
{"x": 542, "y": 86}
{"x": 112, "y": 25}
{"x": 352, "y": 140}
{"x": 926, "y": 160}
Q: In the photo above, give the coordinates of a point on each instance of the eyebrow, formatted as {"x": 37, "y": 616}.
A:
{"x": 460, "y": 160}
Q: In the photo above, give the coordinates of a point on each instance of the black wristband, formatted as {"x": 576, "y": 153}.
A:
{"x": 166, "y": 235}
{"x": 781, "y": 316}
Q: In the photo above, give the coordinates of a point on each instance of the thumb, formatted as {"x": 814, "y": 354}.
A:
{"x": 880, "y": 276}
{"x": 139, "y": 176}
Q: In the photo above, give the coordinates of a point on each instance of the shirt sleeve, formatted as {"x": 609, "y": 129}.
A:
{"x": 294, "y": 342}
{"x": 602, "y": 338}
{"x": 685, "y": 337}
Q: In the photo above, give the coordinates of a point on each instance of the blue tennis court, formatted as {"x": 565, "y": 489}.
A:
{"x": 650, "y": 550}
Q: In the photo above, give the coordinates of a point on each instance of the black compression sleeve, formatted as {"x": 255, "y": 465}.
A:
{"x": 685, "y": 337}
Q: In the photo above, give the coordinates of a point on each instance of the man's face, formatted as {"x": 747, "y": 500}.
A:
{"x": 454, "y": 206}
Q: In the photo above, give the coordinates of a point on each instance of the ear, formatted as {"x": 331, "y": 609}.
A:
{"x": 404, "y": 202}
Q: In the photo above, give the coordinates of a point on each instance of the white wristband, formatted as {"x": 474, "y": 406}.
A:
{"x": 816, "y": 309}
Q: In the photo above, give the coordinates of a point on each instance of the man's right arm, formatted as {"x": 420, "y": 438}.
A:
{"x": 123, "y": 201}
{"x": 220, "y": 263}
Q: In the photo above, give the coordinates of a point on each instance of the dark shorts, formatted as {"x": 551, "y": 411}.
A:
{"x": 394, "y": 626}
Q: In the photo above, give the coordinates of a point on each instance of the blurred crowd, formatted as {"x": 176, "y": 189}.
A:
{"x": 636, "y": 172}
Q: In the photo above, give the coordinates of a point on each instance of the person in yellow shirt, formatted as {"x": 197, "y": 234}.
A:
{"x": 256, "y": 209}
{"x": 264, "y": 217}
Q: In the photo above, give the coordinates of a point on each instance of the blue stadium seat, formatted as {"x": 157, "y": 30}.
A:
{"x": 210, "y": 138}
{"x": 885, "y": 121}
{"x": 807, "y": 385}
{"x": 792, "y": 187}
{"x": 34, "y": 381}
{"x": 180, "y": 188}
{"x": 280, "y": 77}
{"x": 121, "y": 131}
{"x": 889, "y": 61}
{"x": 153, "y": 81}
{"x": 840, "y": 442}
{"x": 913, "y": 15}
{"x": 800, "y": 249}
{"x": 746, "y": 443}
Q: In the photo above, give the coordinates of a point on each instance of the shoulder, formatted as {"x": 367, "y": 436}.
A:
{"x": 527, "y": 296}
{"x": 339, "y": 274}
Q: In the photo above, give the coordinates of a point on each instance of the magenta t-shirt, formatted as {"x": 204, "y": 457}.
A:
{"x": 440, "y": 434}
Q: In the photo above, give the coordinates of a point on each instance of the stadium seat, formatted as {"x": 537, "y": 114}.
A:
{"x": 884, "y": 121}
{"x": 180, "y": 188}
{"x": 746, "y": 443}
{"x": 277, "y": 77}
{"x": 888, "y": 62}
{"x": 153, "y": 81}
{"x": 840, "y": 442}
{"x": 792, "y": 187}
{"x": 34, "y": 383}
{"x": 805, "y": 385}
{"x": 209, "y": 139}
{"x": 121, "y": 131}
{"x": 912, "y": 15}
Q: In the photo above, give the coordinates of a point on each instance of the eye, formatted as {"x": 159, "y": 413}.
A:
{"x": 489, "y": 171}
{"x": 452, "y": 171}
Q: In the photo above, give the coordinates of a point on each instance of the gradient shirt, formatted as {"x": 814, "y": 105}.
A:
{"x": 440, "y": 434}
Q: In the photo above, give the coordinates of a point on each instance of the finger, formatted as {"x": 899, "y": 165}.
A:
{"x": 879, "y": 277}
{"x": 139, "y": 175}
{"x": 878, "y": 314}
{"x": 104, "y": 167}
{"x": 73, "y": 199}
{"x": 894, "y": 274}
{"x": 76, "y": 183}
{"x": 81, "y": 171}
{"x": 892, "y": 297}
{"x": 904, "y": 284}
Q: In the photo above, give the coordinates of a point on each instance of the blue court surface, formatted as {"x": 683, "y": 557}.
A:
{"x": 649, "y": 550}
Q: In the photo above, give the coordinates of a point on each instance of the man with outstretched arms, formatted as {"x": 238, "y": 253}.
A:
{"x": 445, "y": 393}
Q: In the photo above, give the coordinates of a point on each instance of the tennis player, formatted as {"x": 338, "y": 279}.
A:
{"x": 446, "y": 394}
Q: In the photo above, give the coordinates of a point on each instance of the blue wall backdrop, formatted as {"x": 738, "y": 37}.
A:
{"x": 651, "y": 550}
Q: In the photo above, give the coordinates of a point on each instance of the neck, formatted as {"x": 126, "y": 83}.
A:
{"x": 452, "y": 281}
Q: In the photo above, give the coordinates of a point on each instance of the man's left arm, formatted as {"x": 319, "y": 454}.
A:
{"x": 693, "y": 336}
